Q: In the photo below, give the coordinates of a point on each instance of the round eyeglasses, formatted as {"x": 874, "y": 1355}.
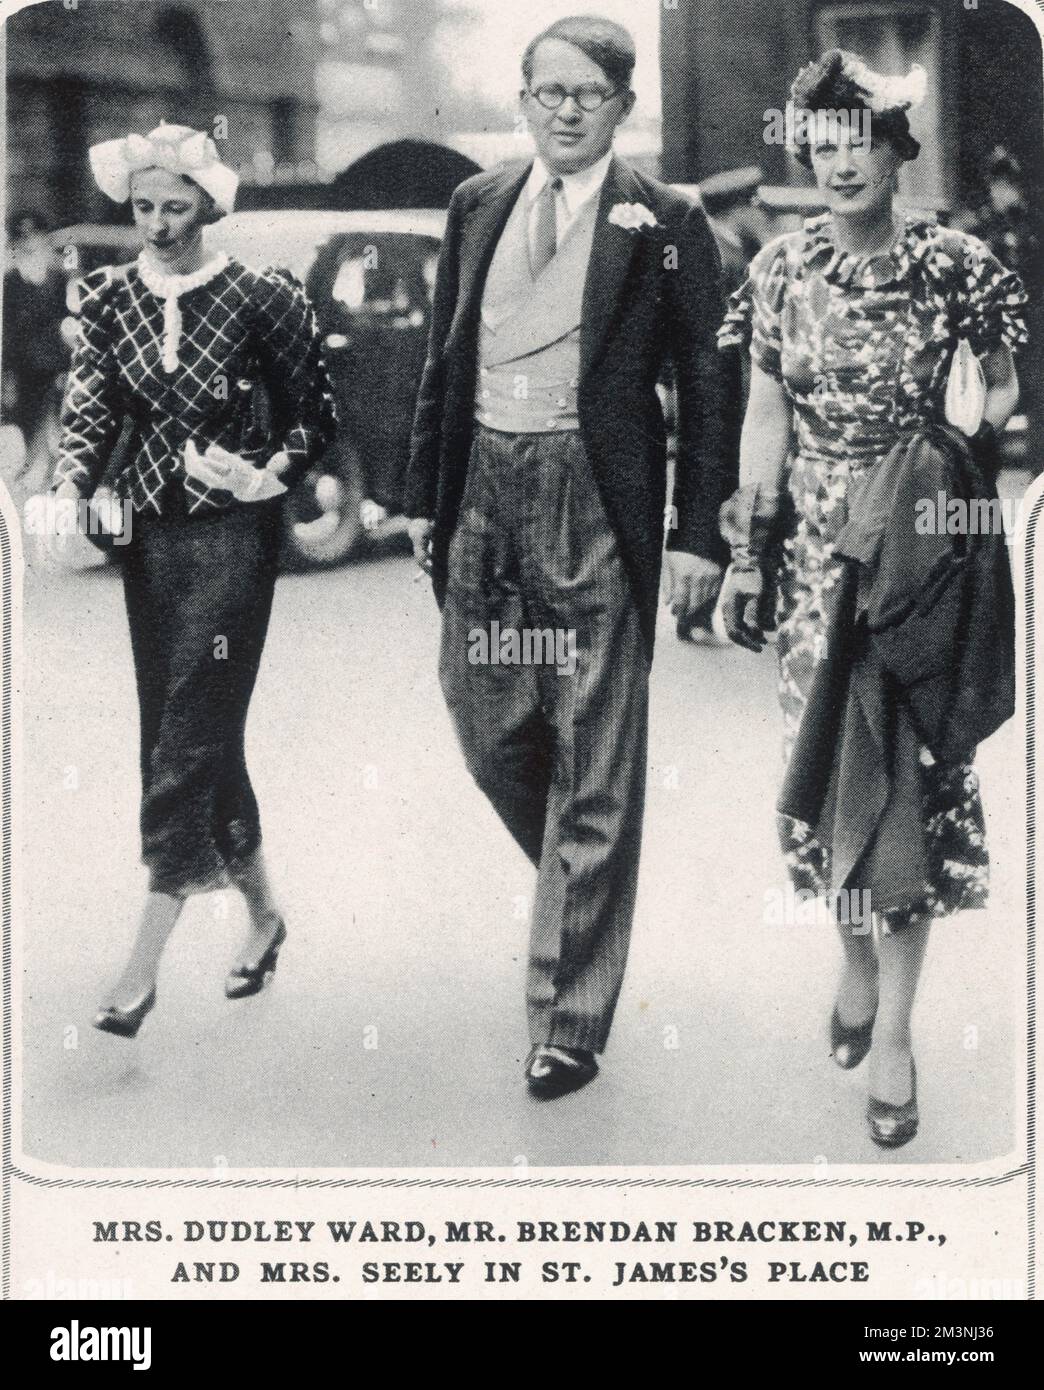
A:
{"x": 589, "y": 97}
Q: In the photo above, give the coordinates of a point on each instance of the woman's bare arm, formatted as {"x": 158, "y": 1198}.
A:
{"x": 1002, "y": 387}
{"x": 767, "y": 432}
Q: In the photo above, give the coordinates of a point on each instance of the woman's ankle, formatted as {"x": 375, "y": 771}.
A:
{"x": 891, "y": 1074}
{"x": 857, "y": 991}
{"x": 133, "y": 985}
{"x": 264, "y": 921}
{"x": 892, "y": 1040}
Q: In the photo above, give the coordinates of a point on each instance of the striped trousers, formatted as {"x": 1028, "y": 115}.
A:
{"x": 545, "y": 674}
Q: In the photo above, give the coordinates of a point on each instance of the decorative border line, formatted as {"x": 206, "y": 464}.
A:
{"x": 992, "y": 1180}
{"x": 6, "y": 830}
{"x": 1031, "y": 895}
{"x": 9, "y": 1171}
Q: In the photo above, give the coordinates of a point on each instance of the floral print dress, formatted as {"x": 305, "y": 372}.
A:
{"x": 863, "y": 347}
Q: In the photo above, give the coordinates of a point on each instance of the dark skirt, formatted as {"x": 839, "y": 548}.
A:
{"x": 199, "y": 593}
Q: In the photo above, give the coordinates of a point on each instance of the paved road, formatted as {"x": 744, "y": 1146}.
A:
{"x": 395, "y": 1031}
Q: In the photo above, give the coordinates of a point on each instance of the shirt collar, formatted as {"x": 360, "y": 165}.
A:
{"x": 576, "y": 188}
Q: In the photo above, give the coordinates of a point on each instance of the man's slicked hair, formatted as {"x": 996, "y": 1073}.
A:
{"x": 603, "y": 41}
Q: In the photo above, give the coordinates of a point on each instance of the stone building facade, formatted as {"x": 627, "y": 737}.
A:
{"x": 727, "y": 62}
{"x": 80, "y": 71}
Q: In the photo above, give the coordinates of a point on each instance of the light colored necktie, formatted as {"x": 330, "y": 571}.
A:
{"x": 545, "y": 242}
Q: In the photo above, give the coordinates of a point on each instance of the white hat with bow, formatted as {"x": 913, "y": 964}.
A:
{"x": 177, "y": 148}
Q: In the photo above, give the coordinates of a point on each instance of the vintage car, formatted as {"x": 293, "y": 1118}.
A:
{"x": 370, "y": 276}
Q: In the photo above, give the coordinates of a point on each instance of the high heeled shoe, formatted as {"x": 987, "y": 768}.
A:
{"x": 892, "y": 1126}
{"x": 124, "y": 1023}
{"x": 848, "y": 1046}
{"x": 244, "y": 980}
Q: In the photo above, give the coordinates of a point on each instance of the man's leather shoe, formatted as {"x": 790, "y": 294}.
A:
{"x": 555, "y": 1071}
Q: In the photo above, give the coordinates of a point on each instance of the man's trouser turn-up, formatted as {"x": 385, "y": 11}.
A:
{"x": 545, "y": 673}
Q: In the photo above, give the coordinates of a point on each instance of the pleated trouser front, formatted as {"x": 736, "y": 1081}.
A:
{"x": 560, "y": 753}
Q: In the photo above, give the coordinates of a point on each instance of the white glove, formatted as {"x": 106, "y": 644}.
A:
{"x": 205, "y": 468}
{"x": 258, "y": 484}
{"x": 217, "y": 468}
{"x": 246, "y": 482}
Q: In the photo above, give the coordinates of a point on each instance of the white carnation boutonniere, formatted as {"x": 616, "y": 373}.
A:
{"x": 632, "y": 217}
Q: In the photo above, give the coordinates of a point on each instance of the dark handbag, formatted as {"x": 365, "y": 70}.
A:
{"x": 252, "y": 413}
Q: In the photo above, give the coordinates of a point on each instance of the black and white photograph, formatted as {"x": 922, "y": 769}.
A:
{"x": 518, "y": 572}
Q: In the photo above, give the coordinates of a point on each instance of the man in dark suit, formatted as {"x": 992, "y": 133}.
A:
{"x": 537, "y": 492}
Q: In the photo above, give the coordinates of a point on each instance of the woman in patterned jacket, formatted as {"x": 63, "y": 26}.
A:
{"x": 218, "y": 371}
{"x": 853, "y": 325}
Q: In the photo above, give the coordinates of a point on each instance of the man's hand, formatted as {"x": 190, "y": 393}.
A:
{"x": 690, "y": 582}
{"x": 741, "y": 596}
{"x": 420, "y": 529}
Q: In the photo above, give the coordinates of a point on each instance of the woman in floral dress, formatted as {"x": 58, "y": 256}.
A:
{"x": 852, "y": 325}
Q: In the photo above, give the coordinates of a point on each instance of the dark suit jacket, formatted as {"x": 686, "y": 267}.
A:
{"x": 650, "y": 295}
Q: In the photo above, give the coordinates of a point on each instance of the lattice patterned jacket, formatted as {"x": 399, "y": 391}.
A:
{"x": 182, "y": 366}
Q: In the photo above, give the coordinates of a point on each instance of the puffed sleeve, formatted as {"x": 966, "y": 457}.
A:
{"x": 992, "y": 300}
{"x": 90, "y": 422}
{"x": 755, "y": 310}
{"x": 290, "y": 351}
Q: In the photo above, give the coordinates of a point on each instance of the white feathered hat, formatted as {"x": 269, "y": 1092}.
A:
{"x": 177, "y": 148}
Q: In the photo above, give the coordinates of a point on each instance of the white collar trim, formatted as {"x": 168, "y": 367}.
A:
{"x": 171, "y": 286}
{"x": 168, "y": 288}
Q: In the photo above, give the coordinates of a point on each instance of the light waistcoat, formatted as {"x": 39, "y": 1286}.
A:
{"x": 529, "y": 338}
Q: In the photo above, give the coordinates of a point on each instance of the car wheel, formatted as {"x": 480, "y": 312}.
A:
{"x": 321, "y": 524}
